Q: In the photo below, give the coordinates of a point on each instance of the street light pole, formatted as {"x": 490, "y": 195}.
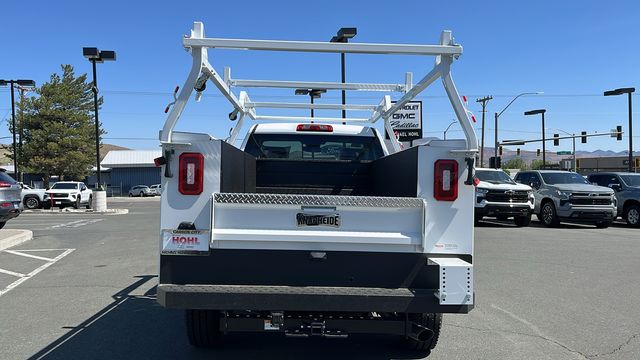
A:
{"x": 544, "y": 149}
{"x": 13, "y": 131}
{"x": 31, "y": 83}
{"x": 447, "y": 129}
{"x": 629, "y": 92}
{"x": 94, "y": 89}
{"x": 94, "y": 56}
{"x": 342, "y": 36}
{"x": 313, "y": 93}
{"x": 497, "y": 115}
{"x": 630, "y": 135}
{"x": 484, "y": 101}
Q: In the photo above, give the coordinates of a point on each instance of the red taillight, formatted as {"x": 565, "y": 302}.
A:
{"x": 4, "y": 205}
{"x": 191, "y": 173}
{"x": 4, "y": 184}
{"x": 314, "y": 127}
{"x": 445, "y": 187}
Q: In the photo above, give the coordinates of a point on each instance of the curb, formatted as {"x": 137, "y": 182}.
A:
{"x": 69, "y": 211}
{"x": 13, "y": 240}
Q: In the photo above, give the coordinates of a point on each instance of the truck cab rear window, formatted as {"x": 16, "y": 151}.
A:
{"x": 314, "y": 147}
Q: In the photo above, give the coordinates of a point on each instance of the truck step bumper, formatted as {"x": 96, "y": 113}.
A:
{"x": 304, "y": 298}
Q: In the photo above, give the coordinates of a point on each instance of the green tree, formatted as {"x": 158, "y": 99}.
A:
{"x": 58, "y": 127}
{"x": 536, "y": 164}
{"x": 515, "y": 163}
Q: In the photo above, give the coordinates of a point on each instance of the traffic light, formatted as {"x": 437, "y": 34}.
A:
{"x": 538, "y": 152}
{"x": 619, "y": 134}
{"x": 492, "y": 162}
{"x": 584, "y": 137}
{"x": 556, "y": 139}
{"x": 518, "y": 151}
{"x": 500, "y": 150}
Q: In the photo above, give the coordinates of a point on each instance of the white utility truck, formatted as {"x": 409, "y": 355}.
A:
{"x": 313, "y": 227}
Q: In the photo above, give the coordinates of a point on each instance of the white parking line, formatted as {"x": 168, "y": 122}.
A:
{"x": 12, "y": 273}
{"x": 28, "y": 255}
{"x": 26, "y": 277}
{"x": 76, "y": 224}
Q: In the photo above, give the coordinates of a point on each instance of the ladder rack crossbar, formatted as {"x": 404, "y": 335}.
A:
{"x": 279, "y": 105}
{"x": 317, "y": 85}
{"x": 323, "y": 47}
{"x": 307, "y": 118}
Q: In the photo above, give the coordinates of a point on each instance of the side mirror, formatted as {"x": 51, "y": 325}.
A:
{"x": 615, "y": 187}
{"x": 534, "y": 185}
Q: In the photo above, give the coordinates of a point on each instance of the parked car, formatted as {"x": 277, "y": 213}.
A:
{"x": 68, "y": 193}
{"x": 140, "y": 190}
{"x": 10, "y": 204}
{"x": 566, "y": 196}
{"x": 497, "y": 195}
{"x": 627, "y": 189}
{"x": 32, "y": 198}
{"x": 156, "y": 189}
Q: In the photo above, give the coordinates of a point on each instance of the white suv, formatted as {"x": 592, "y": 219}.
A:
{"x": 68, "y": 193}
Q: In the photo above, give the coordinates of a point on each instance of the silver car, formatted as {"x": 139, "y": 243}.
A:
{"x": 156, "y": 189}
{"x": 10, "y": 198}
{"x": 140, "y": 190}
{"x": 566, "y": 196}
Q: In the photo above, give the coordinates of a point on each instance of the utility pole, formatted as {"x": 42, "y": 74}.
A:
{"x": 483, "y": 101}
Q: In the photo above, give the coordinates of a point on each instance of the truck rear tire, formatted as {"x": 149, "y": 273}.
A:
{"x": 203, "y": 328}
{"x": 430, "y": 321}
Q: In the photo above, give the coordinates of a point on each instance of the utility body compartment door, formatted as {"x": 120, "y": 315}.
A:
{"x": 317, "y": 222}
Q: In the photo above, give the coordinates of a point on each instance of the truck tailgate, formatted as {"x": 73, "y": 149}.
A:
{"x": 317, "y": 222}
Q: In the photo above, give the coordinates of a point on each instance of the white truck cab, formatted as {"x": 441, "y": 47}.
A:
{"x": 312, "y": 227}
{"x": 68, "y": 193}
{"x": 497, "y": 195}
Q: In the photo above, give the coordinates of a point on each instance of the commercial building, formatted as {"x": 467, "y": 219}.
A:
{"x": 614, "y": 163}
{"x": 123, "y": 169}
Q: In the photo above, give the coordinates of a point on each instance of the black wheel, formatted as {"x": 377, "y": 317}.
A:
{"x": 430, "y": 321}
{"x": 603, "y": 224}
{"x": 501, "y": 217}
{"x": 632, "y": 215}
{"x": 548, "y": 215}
{"x": 46, "y": 205}
{"x": 90, "y": 202}
{"x": 141, "y": 194}
{"x": 77, "y": 204}
{"x": 130, "y": 195}
{"x": 2, "y": 224}
{"x": 203, "y": 328}
{"x": 521, "y": 221}
{"x": 32, "y": 202}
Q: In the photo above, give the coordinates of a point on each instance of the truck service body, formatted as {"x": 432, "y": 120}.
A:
{"x": 313, "y": 227}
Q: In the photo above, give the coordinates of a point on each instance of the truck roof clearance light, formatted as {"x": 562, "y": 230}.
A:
{"x": 445, "y": 187}
{"x": 314, "y": 127}
{"x": 191, "y": 170}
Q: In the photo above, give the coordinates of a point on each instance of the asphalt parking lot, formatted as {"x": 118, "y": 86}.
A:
{"x": 567, "y": 293}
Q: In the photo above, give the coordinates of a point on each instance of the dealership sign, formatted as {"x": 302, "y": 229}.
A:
{"x": 407, "y": 121}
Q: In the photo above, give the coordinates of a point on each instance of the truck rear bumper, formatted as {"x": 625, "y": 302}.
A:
{"x": 304, "y": 298}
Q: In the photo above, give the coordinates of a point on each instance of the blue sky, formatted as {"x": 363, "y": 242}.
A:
{"x": 571, "y": 50}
